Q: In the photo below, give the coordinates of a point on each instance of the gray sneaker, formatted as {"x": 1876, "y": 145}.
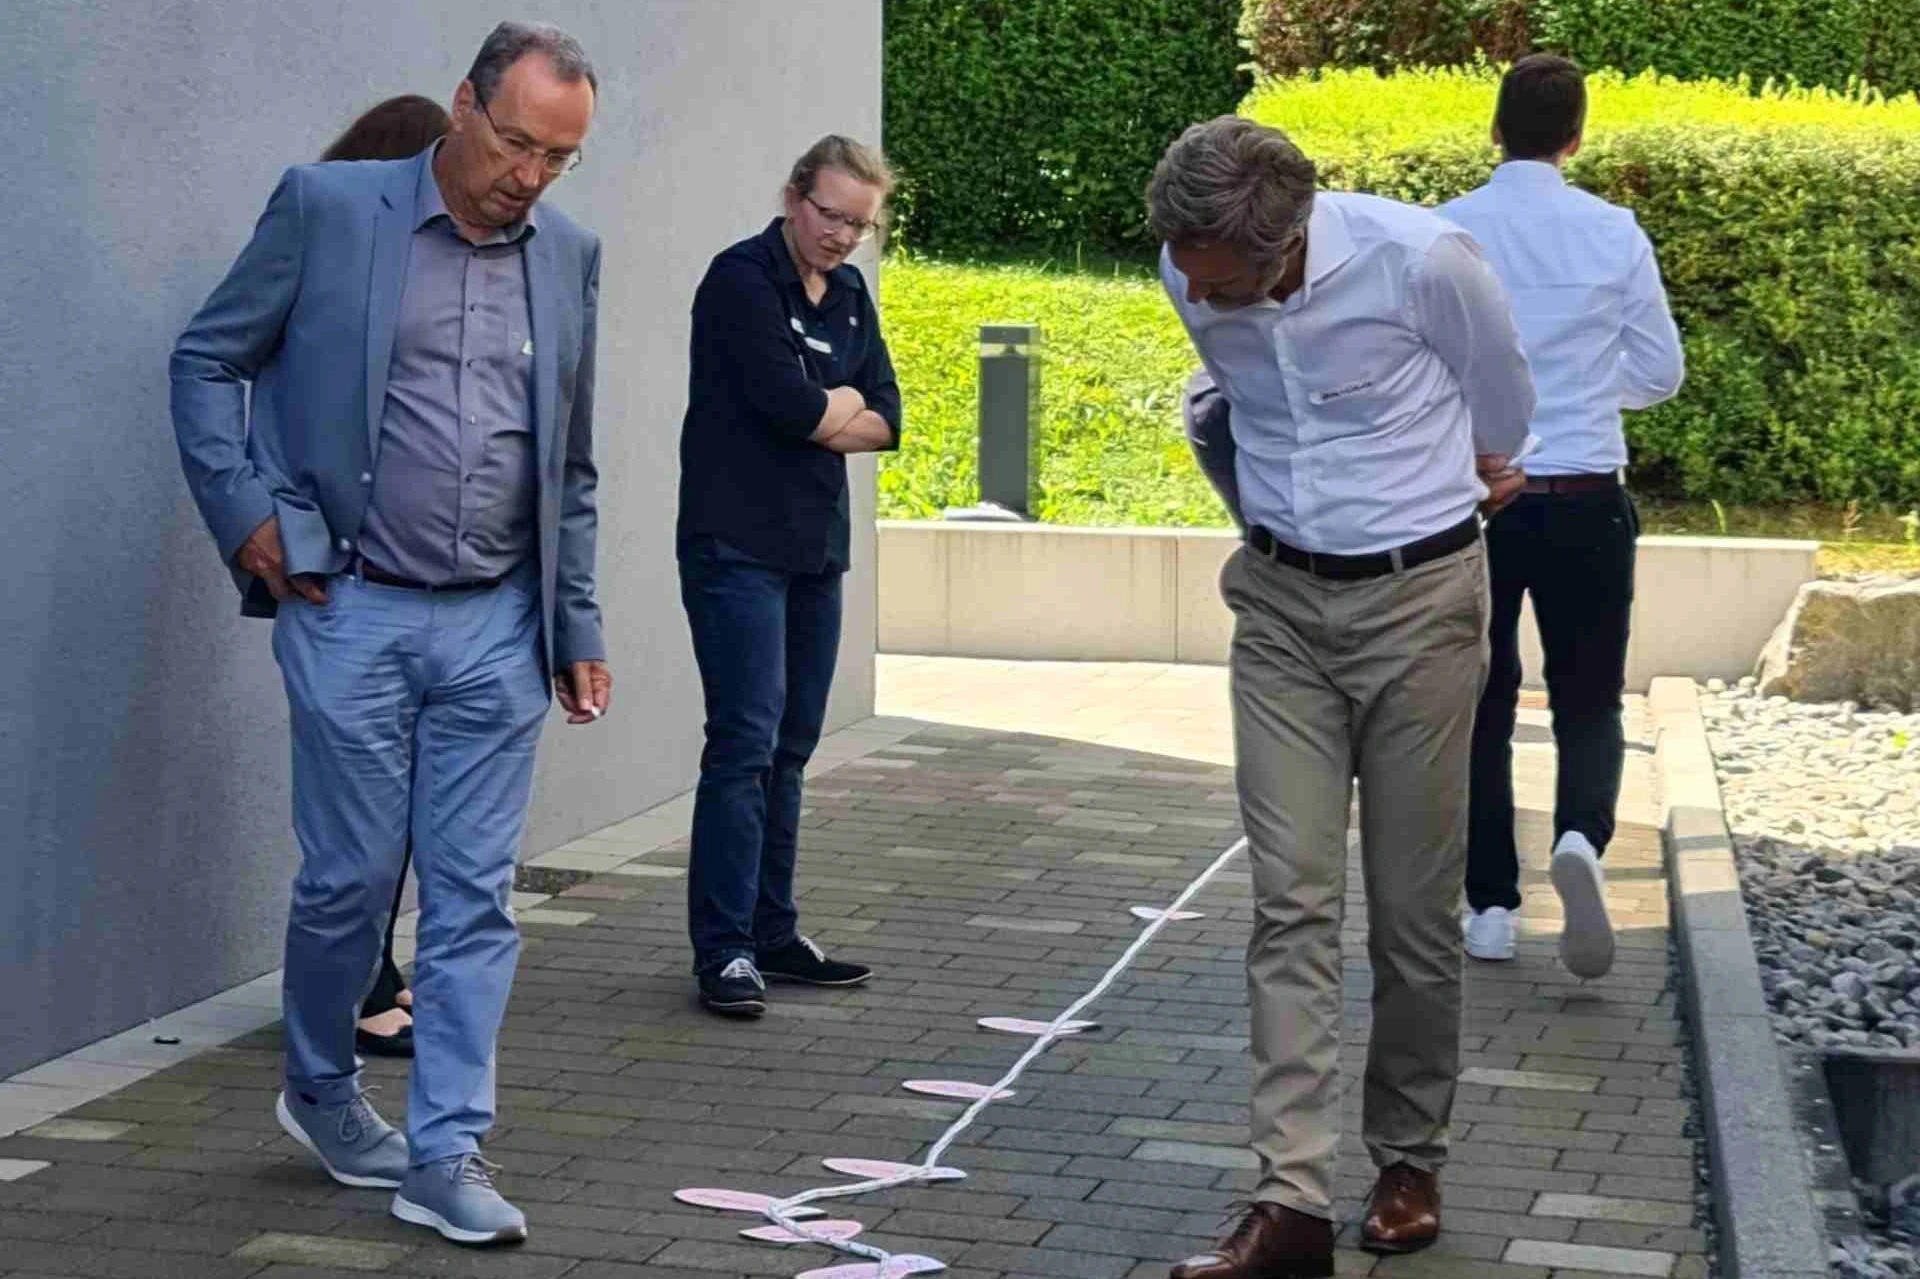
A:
{"x": 456, "y": 1197}
{"x": 350, "y": 1139}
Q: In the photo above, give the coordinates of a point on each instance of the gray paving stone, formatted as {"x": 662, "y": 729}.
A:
{"x": 1570, "y": 1256}
{"x": 1186, "y": 1152}
{"x": 1053, "y": 1263}
{"x": 1548, "y": 1081}
{"x": 1022, "y": 925}
{"x": 1647, "y": 1212}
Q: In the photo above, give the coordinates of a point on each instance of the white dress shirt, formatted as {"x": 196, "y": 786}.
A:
{"x": 1588, "y": 301}
{"x": 1359, "y": 402}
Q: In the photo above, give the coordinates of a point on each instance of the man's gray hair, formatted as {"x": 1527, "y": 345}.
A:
{"x": 1231, "y": 181}
{"x": 511, "y": 41}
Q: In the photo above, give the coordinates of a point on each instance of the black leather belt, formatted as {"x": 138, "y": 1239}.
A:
{"x": 1558, "y": 484}
{"x": 1378, "y": 564}
{"x": 384, "y": 578}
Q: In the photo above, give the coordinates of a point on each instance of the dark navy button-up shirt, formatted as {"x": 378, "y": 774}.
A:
{"x": 453, "y": 489}
{"x": 764, "y": 358}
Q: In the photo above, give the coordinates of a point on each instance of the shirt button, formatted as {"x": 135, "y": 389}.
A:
{"x": 366, "y": 477}
{"x": 472, "y": 418}
{"x": 344, "y": 544}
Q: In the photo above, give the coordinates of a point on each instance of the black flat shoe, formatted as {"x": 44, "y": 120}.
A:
{"x": 802, "y": 961}
{"x": 398, "y": 1044}
{"x": 735, "y": 991}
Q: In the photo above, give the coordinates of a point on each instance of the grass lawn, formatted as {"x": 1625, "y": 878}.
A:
{"x": 1115, "y": 360}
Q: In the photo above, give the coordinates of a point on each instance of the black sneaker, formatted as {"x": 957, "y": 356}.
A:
{"x": 802, "y": 961}
{"x": 737, "y": 990}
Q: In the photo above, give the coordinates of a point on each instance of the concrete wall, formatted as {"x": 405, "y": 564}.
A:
{"x": 144, "y": 848}
{"x": 1703, "y": 607}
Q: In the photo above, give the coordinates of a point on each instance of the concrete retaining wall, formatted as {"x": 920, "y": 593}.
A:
{"x": 1703, "y": 608}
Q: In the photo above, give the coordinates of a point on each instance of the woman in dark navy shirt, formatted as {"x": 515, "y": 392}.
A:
{"x": 790, "y": 374}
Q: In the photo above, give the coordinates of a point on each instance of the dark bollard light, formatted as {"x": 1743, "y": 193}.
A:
{"x": 1009, "y": 459}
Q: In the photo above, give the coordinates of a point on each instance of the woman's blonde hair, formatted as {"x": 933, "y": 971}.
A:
{"x": 859, "y": 161}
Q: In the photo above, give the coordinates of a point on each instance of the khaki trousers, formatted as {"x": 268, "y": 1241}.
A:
{"x": 1376, "y": 680}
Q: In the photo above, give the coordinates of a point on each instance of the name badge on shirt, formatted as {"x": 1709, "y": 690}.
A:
{"x": 1338, "y": 392}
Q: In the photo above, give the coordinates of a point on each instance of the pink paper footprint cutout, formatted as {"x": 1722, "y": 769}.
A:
{"x": 737, "y": 1201}
{"x": 1021, "y": 1026}
{"x": 954, "y": 1088}
{"x": 896, "y": 1268}
{"x": 880, "y": 1169}
{"x": 1173, "y": 917}
{"x": 816, "y": 1230}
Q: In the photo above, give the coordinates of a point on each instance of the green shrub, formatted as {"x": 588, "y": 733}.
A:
{"x": 1787, "y": 225}
{"x": 1022, "y": 124}
{"x": 1817, "y": 42}
{"x": 1290, "y": 36}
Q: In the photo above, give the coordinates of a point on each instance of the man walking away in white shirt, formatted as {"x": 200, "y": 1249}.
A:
{"x": 1367, "y": 355}
{"x": 1594, "y": 321}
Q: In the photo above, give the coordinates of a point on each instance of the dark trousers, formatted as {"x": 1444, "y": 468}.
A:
{"x": 1574, "y": 553}
{"x": 765, "y": 641}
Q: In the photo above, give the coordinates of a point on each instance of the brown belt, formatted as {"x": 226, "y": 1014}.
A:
{"x": 384, "y": 578}
{"x": 1555, "y": 484}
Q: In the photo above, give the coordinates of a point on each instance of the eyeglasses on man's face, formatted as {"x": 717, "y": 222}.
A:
{"x": 838, "y": 221}
{"x": 517, "y": 147}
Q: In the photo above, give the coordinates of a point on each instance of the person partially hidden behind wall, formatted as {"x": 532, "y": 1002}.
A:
{"x": 397, "y": 129}
{"x": 409, "y": 490}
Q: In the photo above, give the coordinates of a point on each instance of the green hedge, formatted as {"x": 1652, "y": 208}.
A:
{"x": 1788, "y": 230}
{"x": 1816, "y": 42}
{"x": 1034, "y": 124}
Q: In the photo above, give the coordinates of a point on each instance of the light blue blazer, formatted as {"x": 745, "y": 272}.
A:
{"x": 307, "y": 316}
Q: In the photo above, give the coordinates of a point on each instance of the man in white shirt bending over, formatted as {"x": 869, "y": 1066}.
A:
{"x": 1593, "y": 318}
{"x": 1367, "y": 356}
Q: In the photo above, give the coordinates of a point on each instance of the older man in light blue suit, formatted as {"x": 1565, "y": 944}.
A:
{"x": 410, "y": 494}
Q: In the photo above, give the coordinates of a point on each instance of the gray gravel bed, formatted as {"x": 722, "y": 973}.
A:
{"x": 1823, "y": 802}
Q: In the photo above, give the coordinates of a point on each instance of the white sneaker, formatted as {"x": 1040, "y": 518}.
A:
{"x": 1490, "y": 933}
{"x": 1586, "y": 941}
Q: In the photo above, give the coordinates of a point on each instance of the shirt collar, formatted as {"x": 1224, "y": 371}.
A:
{"x": 428, "y": 205}
{"x": 783, "y": 269}
{"x": 1329, "y": 244}
{"x": 1529, "y": 171}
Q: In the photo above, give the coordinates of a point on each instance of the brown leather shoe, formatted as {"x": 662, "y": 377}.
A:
{"x": 1404, "y": 1214}
{"x": 1271, "y": 1242}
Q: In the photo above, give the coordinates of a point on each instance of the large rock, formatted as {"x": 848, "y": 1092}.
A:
{"x": 1848, "y": 641}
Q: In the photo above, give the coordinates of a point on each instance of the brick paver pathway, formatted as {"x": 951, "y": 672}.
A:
{"x": 984, "y": 872}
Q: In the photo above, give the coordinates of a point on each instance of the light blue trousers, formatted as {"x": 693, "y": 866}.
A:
{"x": 417, "y": 711}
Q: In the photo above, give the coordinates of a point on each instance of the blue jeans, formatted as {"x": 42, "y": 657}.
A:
{"x": 765, "y": 641}
{"x": 409, "y": 712}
